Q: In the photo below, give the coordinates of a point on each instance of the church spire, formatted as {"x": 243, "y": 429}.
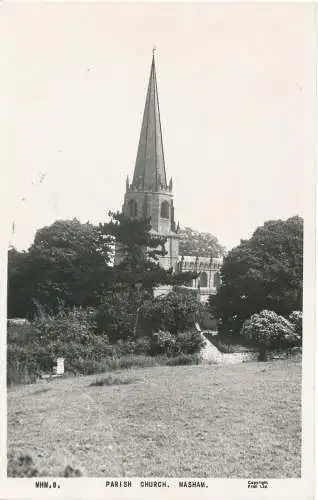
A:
{"x": 150, "y": 172}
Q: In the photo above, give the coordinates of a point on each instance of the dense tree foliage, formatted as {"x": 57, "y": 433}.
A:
{"x": 66, "y": 265}
{"x": 196, "y": 243}
{"x": 268, "y": 330}
{"x": 138, "y": 250}
{"x": 136, "y": 273}
{"x": 264, "y": 272}
{"x": 117, "y": 314}
{"x": 174, "y": 312}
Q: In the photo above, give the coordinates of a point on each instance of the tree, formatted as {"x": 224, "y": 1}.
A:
{"x": 268, "y": 330}
{"x": 116, "y": 315}
{"x": 174, "y": 312}
{"x": 18, "y": 286}
{"x": 264, "y": 272}
{"x": 136, "y": 273}
{"x": 196, "y": 243}
{"x": 138, "y": 251}
{"x": 66, "y": 265}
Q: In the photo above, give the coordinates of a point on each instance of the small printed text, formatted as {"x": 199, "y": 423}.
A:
{"x": 257, "y": 484}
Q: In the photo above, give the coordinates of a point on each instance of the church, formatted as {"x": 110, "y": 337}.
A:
{"x": 150, "y": 194}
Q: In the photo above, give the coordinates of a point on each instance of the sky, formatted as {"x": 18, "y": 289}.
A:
{"x": 236, "y": 94}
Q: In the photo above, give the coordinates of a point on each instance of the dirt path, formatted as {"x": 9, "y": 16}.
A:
{"x": 211, "y": 354}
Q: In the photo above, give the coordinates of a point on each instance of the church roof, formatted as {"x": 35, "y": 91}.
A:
{"x": 150, "y": 172}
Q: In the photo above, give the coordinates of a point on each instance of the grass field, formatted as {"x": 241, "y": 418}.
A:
{"x": 186, "y": 421}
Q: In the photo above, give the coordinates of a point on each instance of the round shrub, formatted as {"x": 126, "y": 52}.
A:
{"x": 142, "y": 345}
{"x": 268, "y": 330}
{"x": 296, "y": 318}
{"x": 66, "y": 327}
{"x": 162, "y": 343}
{"x": 189, "y": 342}
{"x": 116, "y": 316}
{"x": 185, "y": 343}
{"x": 174, "y": 313}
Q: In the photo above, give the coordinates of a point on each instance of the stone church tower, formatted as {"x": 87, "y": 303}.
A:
{"x": 149, "y": 194}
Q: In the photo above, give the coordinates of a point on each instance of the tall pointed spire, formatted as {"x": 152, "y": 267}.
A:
{"x": 150, "y": 172}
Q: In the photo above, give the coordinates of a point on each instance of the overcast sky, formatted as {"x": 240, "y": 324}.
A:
{"x": 236, "y": 93}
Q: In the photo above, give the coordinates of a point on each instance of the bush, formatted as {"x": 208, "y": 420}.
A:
{"x": 174, "y": 313}
{"x": 117, "y": 315}
{"x": 164, "y": 343}
{"x": 33, "y": 349}
{"x": 74, "y": 336}
{"x": 21, "y": 334}
{"x": 184, "y": 359}
{"x": 296, "y": 318}
{"x": 18, "y": 373}
{"x": 138, "y": 346}
{"x": 189, "y": 342}
{"x": 91, "y": 367}
{"x": 268, "y": 330}
{"x": 142, "y": 345}
{"x": 25, "y": 363}
{"x": 65, "y": 327}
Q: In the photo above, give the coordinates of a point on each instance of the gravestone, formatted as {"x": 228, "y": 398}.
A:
{"x": 59, "y": 368}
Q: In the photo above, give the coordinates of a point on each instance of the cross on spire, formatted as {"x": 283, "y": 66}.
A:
{"x": 154, "y": 48}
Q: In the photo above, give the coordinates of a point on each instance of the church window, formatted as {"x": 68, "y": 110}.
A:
{"x": 164, "y": 211}
{"x": 203, "y": 280}
{"x": 132, "y": 208}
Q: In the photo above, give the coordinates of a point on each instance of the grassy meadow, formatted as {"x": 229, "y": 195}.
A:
{"x": 213, "y": 421}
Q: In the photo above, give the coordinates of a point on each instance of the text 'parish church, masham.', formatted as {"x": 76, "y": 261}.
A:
{"x": 149, "y": 194}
